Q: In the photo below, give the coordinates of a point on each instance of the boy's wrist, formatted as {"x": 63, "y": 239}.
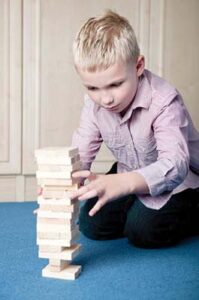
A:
{"x": 127, "y": 182}
{"x": 135, "y": 183}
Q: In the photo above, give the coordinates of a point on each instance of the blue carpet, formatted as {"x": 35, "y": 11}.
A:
{"x": 111, "y": 269}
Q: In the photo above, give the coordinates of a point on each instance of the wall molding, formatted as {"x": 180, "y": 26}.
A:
{"x": 11, "y": 163}
{"x": 31, "y": 83}
{"x": 151, "y": 32}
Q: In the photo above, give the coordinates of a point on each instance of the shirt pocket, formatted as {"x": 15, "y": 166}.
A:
{"x": 115, "y": 144}
{"x": 146, "y": 150}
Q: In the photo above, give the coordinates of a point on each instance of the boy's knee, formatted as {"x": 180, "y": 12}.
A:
{"x": 149, "y": 235}
{"x": 139, "y": 236}
{"x": 88, "y": 225}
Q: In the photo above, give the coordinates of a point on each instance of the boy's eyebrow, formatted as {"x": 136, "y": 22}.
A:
{"x": 108, "y": 85}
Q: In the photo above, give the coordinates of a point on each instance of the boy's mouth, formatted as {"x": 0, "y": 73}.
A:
{"x": 112, "y": 107}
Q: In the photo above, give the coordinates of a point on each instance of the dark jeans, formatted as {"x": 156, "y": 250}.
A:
{"x": 144, "y": 227}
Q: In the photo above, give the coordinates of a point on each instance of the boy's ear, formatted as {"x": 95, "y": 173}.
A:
{"x": 140, "y": 65}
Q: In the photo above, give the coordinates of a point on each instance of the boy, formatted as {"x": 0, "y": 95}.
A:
{"x": 150, "y": 195}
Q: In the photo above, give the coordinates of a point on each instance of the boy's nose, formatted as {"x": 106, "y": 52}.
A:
{"x": 107, "y": 99}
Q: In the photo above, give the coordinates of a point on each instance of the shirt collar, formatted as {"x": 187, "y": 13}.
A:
{"x": 142, "y": 98}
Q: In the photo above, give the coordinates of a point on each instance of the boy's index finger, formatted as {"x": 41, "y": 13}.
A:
{"x": 75, "y": 194}
{"x": 81, "y": 174}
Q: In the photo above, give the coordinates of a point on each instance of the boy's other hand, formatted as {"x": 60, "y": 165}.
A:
{"x": 39, "y": 190}
{"x": 106, "y": 187}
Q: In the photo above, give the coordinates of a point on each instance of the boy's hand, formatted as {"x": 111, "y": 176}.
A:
{"x": 39, "y": 190}
{"x": 106, "y": 187}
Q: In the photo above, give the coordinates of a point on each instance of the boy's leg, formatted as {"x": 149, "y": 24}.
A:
{"x": 179, "y": 218}
{"x": 109, "y": 222}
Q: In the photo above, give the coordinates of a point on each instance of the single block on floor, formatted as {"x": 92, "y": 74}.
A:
{"x": 71, "y": 272}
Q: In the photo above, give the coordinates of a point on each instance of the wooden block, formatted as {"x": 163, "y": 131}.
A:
{"x": 55, "y": 228}
{"x": 60, "y": 208}
{"x": 73, "y": 203}
{"x": 55, "y": 235}
{"x": 46, "y": 221}
{"x": 56, "y": 152}
{"x": 50, "y": 249}
{"x": 58, "y": 192}
{"x": 50, "y": 188}
{"x": 56, "y": 262}
{"x": 54, "y": 175}
{"x": 59, "y": 182}
{"x": 56, "y": 215}
{"x": 52, "y": 235}
{"x": 69, "y": 273}
{"x": 57, "y": 265}
{"x": 59, "y": 168}
{"x": 53, "y": 201}
{"x": 57, "y": 160}
{"x": 66, "y": 254}
{"x": 57, "y": 208}
{"x": 58, "y": 242}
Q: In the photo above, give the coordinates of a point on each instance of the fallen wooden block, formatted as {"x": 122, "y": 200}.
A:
{"x": 71, "y": 272}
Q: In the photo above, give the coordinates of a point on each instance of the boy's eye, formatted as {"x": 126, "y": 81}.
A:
{"x": 91, "y": 88}
{"x": 116, "y": 84}
{"x": 113, "y": 85}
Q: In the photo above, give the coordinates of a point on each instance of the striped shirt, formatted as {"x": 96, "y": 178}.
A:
{"x": 156, "y": 138}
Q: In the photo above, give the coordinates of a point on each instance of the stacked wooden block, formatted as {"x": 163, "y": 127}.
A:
{"x": 57, "y": 214}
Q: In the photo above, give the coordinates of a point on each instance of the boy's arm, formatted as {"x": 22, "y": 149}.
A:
{"x": 171, "y": 133}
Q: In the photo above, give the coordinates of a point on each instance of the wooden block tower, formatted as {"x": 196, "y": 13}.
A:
{"x": 56, "y": 217}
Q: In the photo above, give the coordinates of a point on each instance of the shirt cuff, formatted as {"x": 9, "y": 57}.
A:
{"x": 155, "y": 176}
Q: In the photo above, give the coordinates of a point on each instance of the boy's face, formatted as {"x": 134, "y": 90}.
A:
{"x": 114, "y": 88}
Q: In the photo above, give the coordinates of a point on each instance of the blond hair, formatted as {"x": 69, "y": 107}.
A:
{"x": 103, "y": 40}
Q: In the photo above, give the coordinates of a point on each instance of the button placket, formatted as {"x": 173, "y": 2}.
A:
{"x": 132, "y": 155}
